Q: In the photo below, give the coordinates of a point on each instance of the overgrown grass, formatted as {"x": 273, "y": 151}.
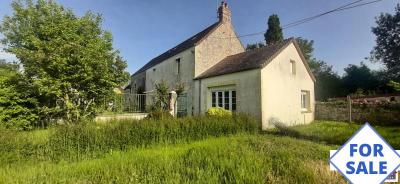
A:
{"x": 92, "y": 140}
{"x": 233, "y": 159}
{"x": 337, "y": 133}
{"x": 187, "y": 150}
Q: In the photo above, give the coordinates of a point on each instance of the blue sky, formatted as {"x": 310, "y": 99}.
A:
{"x": 144, "y": 29}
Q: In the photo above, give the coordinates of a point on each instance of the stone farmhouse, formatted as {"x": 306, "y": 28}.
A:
{"x": 270, "y": 83}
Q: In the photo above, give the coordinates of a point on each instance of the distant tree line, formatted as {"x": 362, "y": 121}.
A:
{"x": 359, "y": 79}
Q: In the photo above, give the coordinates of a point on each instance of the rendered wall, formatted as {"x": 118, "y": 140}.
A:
{"x": 246, "y": 84}
{"x": 281, "y": 90}
{"x": 167, "y": 71}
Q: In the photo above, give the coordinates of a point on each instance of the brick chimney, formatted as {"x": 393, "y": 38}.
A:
{"x": 224, "y": 13}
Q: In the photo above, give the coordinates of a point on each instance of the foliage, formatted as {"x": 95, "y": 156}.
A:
{"x": 328, "y": 82}
{"x": 69, "y": 58}
{"x": 161, "y": 97}
{"x": 18, "y": 109}
{"x": 395, "y": 85}
{"x": 356, "y": 77}
{"x": 179, "y": 88}
{"x": 218, "y": 111}
{"x": 254, "y": 46}
{"x": 387, "y": 49}
{"x": 274, "y": 32}
{"x": 307, "y": 47}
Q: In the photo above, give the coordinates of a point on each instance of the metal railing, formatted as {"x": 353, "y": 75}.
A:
{"x": 126, "y": 103}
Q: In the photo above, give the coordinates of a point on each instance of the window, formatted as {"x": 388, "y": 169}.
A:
{"x": 292, "y": 67}
{"x": 214, "y": 99}
{"x": 178, "y": 66}
{"x": 305, "y": 100}
{"x": 225, "y": 99}
{"x": 154, "y": 69}
{"x": 220, "y": 98}
{"x": 233, "y": 100}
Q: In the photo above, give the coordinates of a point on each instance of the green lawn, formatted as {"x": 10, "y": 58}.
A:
{"x": 217, "y": 153}
{"x": 338, "y": 133}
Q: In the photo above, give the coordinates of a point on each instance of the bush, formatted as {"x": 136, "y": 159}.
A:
{"x": 218, "y": 111}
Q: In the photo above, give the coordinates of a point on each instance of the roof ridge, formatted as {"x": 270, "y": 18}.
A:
{"x": 262, "y": 57}
{"x": 263, "y": 48}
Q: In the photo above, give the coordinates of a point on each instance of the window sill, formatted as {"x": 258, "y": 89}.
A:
{"x": 306, "y": 111}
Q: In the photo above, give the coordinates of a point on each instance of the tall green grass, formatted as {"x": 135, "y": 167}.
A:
{"x": 92, "y": 140}
{"x": 230, "y": 159}
{"x": 337, "y": 133}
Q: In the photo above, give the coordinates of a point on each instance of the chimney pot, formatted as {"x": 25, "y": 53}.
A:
{"x": 224, "y": 13}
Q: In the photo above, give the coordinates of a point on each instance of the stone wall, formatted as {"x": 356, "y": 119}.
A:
{"x": 222, "y": 42}
{"x": 377, "y": 114}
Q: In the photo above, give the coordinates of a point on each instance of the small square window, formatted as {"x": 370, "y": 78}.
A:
{"x": 154, "y": 69}
{"x": 292, "y": 67}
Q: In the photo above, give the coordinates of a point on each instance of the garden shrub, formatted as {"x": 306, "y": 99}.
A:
{"x": 218, "y": 111}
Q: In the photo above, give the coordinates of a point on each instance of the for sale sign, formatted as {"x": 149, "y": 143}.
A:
{"x": 366, "y": 158}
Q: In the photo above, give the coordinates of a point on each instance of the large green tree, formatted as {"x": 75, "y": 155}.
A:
{"x": 274, "y": 32}
{"x": 307, "y": 47}
{"x": 328, "y": 84}
{"x": 387, "y": 49}
{"x": 69, "y": 58}
{"x": 359, "y": 77}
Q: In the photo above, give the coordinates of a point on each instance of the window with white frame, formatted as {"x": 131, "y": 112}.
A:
{"x": 305, "y": 100}
{"x": 224, "y": 98}
{"x": 292, "y": 67}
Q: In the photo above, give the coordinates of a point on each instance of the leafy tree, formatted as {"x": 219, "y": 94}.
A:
{"x": 359, "y": 77}
{"x": 307, "y": 47}
{"x": 387, "y": 49}
{"x": 254, "y": 46}
{"x": 395, "y": 85}
{"x": 274, "y": 33}
{"x": 69, "y": 58}
{"x": 18, "y": 107}
{"x": 328, "y": 82}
